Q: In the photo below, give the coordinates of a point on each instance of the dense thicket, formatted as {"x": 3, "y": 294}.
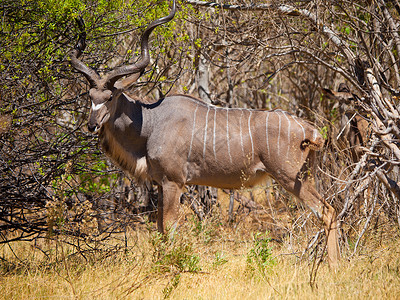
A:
{"x": 53, "y": 178}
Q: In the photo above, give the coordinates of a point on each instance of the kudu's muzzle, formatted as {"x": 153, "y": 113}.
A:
{"x": 93, "y": 122}
{"x": 92, "y": 127}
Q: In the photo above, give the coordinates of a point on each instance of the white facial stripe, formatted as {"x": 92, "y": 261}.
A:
{"x": 97, "y": 106}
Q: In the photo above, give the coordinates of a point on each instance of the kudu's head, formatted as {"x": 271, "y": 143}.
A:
{"x": 107, "y": 89}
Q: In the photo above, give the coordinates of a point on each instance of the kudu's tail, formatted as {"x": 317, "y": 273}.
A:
{"x": 314, "y": 142}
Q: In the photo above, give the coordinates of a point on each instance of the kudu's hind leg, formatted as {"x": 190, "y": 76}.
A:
{"x": 168, "y": 205}
{"x": 326, "y": 213}
{"x": 301, "y": 185}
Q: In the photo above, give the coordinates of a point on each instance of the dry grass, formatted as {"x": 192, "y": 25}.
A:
{"x": 214, "y": 267}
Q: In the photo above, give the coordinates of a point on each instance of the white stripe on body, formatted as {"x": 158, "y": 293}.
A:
{"x": 251, "y": 137}
{"x": 315, "y": 134}
{"x": 205, "y": 134}
{"x": 304, "y": 135}
{"x": 227, "y": 134}
{"x": 288, "y": 141}
{"x": 215, "y": 118}
{"x": 193, "y": 131}
{"x": 279, "y": 131}
{"x": 266, "y": 134}
{"x": 241, "y": 133}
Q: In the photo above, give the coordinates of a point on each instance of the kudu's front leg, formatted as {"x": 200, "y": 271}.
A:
{"x": 168, "y": 205}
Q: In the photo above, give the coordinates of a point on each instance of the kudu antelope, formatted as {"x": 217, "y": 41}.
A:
{"x": 353, "y": 128}
{"x": 180, "y": 140}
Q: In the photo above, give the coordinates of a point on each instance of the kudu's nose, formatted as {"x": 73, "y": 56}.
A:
{"x": 92, "y": 127}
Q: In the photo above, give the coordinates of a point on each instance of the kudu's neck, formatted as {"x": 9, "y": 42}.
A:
{"x": 129, "y": 119}
{"x": 124, "y": 136}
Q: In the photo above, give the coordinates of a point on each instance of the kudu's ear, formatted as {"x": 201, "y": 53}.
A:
{"x": 340, "y": 96}
{"x": 329, "y": 93}
{"x": 127, "y": 82}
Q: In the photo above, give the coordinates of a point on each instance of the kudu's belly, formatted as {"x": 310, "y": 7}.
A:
{"x": 229, "y": 177}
